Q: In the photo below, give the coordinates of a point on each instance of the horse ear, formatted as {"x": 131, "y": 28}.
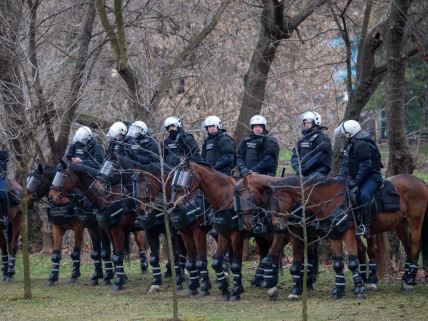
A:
{"x": 40, "y": 168}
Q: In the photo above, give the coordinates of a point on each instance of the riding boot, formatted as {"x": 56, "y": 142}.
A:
{"x": 359, "y": 289}
{"x": 258, "y": 278}
{"x": 156, "y": 270}
{"x": 11, "y": 268}
{"x": 193, "y": 277}
{"x": 235, "y": 268}
{"x": 55, "y": 258}
{"x": 143, "y": 261}
{"x": 4, "y": 263}
{"x": 339, "y": 289}
{"x": 223, "y": 284}
{"x": 373, "y": 279}
{"x": 201, "y": 265}
{"x": 119, "y": 271}
{"x": 98, "y": 268}
{"x": 364, "y": 227}
{"x": 75, "y": 256}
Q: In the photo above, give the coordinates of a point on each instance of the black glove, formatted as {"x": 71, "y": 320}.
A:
{"x": 351, "y": 184}
{"x": 245, "y": 172}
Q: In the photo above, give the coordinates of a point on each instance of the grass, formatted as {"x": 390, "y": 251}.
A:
{"x": 80, "y": 302}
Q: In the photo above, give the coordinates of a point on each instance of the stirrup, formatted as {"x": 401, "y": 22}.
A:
{"x": 3, "y": 222}
{"x": 362, "y": 230}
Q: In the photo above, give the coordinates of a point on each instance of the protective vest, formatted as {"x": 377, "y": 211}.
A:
{"x": 213, "y": 154}
{"x": 253, "y": 152}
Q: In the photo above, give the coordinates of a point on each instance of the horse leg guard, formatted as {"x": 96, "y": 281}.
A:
{"x": 108, "y": 266}
{"x": 156, "y": 271}
{"x": 235, "y": 268}
{"x": 411, "y": 278}
{"x": 372, "y": 279}
{"x": 178, "y": 273}
{"x": 223, "y": 284}
{"x": 270, "y": 273}
{"x": 119, "y": 271}
{"x": 406, "y": 270}
{"x": 226, "y": 263}
{"x": 193, "y": 277}
{"x": 295, "y": 272}
{"x": 258, "y": 278}
{"x": 359, "y": 289}
{"x": 11, "y": 268}
{"x": 75, "y": 273}
{"x": 182, "y": 259}
{"x": 310, "y": 275}
{"x": 339, "y": 289}
{"x": 55, "y": 258}
{"x": 98, "y": 268}
{"x": 4, "y": 264}
{"x": 363, "y": 272}
{"x": 201, "y": 265}
{"x": 167, "y": 273}
{"x": 143, "y": 261}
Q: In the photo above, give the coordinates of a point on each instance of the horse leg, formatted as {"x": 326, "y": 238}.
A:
{"x": 57, "y": 235}
{"x": 14, "y": 230}
{"x": 258, "y": 277}
{"x": 118, "y": 237}
{"x": 75, "y": 255}
{"x": 153, "y": 239}
{"x": 191, "y": 262}
{"x": 237, "y": 239}
{"x": 362, "y": 256}
{"x": 402, "y": 230}
{"x": 372, "y": 279}
{"x": 4, "y": 256}
{"x": 139, "y": 239}
{"x": 200, "y": 240}
{"x": 182, "y": 254}
{"x": 95, "y": 255}
{"x": 217, "y": 265}
{"x": 177, "y": 247}
{"x": 353, "y": 264}
{"x": 414, "y": 231}
{"x": 106, "y": 256}
{"x": 296, "y": 268}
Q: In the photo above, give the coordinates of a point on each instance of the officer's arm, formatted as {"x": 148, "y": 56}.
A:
{"x": 227, "y": 153}
{"x": 240, "y": 156}
{"x": 204, "y": 152}
{"x": 193, "y": 148}
{"x": 97, "y": 157}
{"x": 69, "y": 154}
{"x": 364, "y": 156}
{"x": 271, "y": 154}
{"x": 320, "y": 156}
{"x": 295, "y": 161}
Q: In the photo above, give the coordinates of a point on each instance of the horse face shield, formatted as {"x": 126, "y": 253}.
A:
{"x": 58, "y": 181}
{"x": 245, "y": 206}
{"x": 182, "y": 180}
{"x": 33, "y": 183}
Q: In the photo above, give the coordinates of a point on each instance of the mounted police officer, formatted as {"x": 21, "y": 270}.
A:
{"x": 140, "y": 147}
{"x": 361, "y": 168}
{"x": 178, "y": 143}
{"x": 218, "y": 149}
{"x": 4, "y": 198}
{"x": 312, "y": 154}
{"x": 85, "y": 150}
{"x": 115, "y": 137}
{"x": 259, "y": 151}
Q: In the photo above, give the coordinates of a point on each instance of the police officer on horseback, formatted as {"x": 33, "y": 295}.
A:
{"x": 361, "y": 168}
{"x": 140, "y": 147}
{"x": 259, "y": 151}
{"x": 4, "y": 198}
{"x": 218, "y": 149}
{"x": 115, "y": 137}
{"x": 312, "y": 154}
{"x": 178, "y": 144}
{"x": 85, "y": 150}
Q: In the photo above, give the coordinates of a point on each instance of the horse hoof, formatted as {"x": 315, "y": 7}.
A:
{"x": 144, "y": 272}
{"x": 50, "y": 283}
{"x": 154, "y": 288}
{"x": 257, "y": 283}
{"x": 192, "y": 293}
{"x": 204, "y": 293}
{"x": 273, "y": 293}
{"x": 361, "y": 296}
{"x": 180, "y": 287}
{"x": 407, "y": 288}
{"x": 225, "y": 295}
{"x": 371, "y": 287}
{"x": 72, "y": 281}
{"x": 106, "y": 283}
{"x": 336, "y": 297}
{"x": 9, "y": 279}
{"x": 117, "y": 287}
{"x": 293, "y": 297}
{"x": 92, "y": 282}
{"x": 235, "y": 297}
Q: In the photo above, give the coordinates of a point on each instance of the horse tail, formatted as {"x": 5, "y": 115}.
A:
{"x": 382, "y": 249}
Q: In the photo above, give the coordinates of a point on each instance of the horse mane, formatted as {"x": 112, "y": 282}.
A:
{"x": 294, "y": 181}
{"x": 50, "y": 170}
{"x": 208, "y": 166}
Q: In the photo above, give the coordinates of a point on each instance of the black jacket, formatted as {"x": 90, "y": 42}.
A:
{"x": 142, "y": 149}
{"x": 180, "y": 144}
{"x": 258, "y": 153}
{"x": 91, "y": 154}
{"x": 4, "y": 159}
{"x": 315, "y": 152}
{"x": 218, "y": 151}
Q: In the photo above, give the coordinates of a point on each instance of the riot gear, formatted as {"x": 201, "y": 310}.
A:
{"x": 218, "y": 150}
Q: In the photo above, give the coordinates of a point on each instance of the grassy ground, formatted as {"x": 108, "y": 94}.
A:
{"x": 80, "y": 302}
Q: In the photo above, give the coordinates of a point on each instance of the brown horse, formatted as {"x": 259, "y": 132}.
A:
{"x": 115, "y": 213}
{"x": 219, "y": 191}
{"x": 10, "y": 242}
{"x": 333, "y": 212}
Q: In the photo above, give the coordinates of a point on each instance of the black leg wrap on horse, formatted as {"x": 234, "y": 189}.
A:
{"x": 202, "y": 266}
{"x": 406, "y": 270}
{"x": 353, "y": 266}
{"x": 372, "y": 279}
{"x": 258, "y": 277}
{"x": 143, "y": 261}
{"x": 295, "y": 272}
{"x": 310, "y": 266}
{"x": 217, "y": 265}
{"x": 235, "y": 268}
{"x": 108, "y": 265}
{"x": 339, "y": 289}
{"x": 4, "y": 263}
{"x": 270, "y": 273}
{"x": 119, "y": 271}
{"x": 226, "y": 262}
{"x": 98, "y": 273}
{"x": 55, "y": 258}
{"x": 193, "y": 274}
{"x": 167, "y": 273}
{"x": 156, "y": 270}
{"x": 182, "y": 259}
{"x": 11, "y": 267}
{"x": 75, "y": 256}
{"x": 413, "y": 271}
{"x": 363, "y": 271}
{"x": 178, "y": 272}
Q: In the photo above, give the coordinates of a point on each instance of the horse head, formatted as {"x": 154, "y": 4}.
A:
{"x": 39, "y": 180}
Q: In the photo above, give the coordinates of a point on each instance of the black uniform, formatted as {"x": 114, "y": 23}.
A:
{"x": 4, "y": 199}
{"x": 313, "y": 152}
{"x": 91, "y": 154}
{"x": 142, "y": 149}
{"x": 180, "y": 144}
{"x": 258, "y": 153}
{"x": 218, "y": 150}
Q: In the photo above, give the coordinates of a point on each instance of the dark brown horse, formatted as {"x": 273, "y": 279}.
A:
{"x": 333, "y": 212}
{"x": 219, "y": 191}
{"x": 9, "y": 242}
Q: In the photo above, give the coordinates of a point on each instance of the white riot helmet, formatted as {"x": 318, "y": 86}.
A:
{"x": 137, "y": 128}
{"x": 83, "y": 135}
{"x": 118, "y": 128}
{"x": 258, "y": 120}
{"x": 212, "y": 121}
{"x": 172, "y": 121}
{"x": 350, "y": 128}
{"x": 312, "y": 115}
